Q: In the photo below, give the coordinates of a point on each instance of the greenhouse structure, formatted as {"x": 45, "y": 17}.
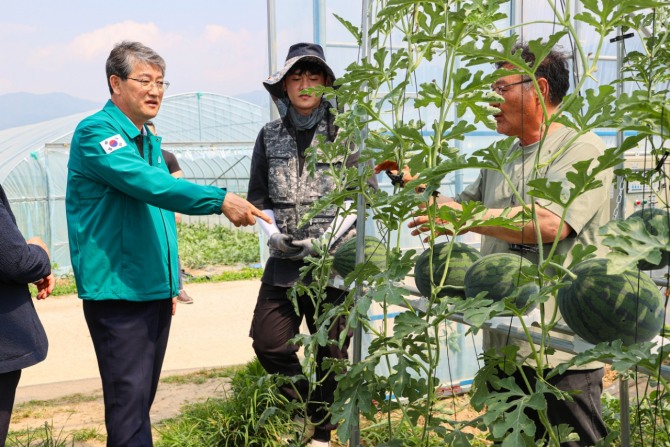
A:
{"x": 211, "y": 135}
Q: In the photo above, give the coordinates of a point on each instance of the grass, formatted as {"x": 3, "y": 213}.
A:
{"x": 47, "y": 436}
{"x": 41, "y": 408}
{"x": 44, "y": 436}
{"x": 252, "y": 415}
{"x": 87, "y": 434}
{"x": 199, "y": 377}
{"x": 255, "y": 414}
{"x": 229, "y": 275}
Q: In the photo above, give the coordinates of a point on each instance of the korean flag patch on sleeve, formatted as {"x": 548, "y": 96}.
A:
{"x": 113, "y": 143}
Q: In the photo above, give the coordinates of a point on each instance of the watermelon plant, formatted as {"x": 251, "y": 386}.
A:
{"x": 422, "y": 126}
{"x": 601, "y": 306}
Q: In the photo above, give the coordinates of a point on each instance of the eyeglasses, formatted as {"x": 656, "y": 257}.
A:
{"x": 148, "y": 85}
{"x": 500, "y": 89}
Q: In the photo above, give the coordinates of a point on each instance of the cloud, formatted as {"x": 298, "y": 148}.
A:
{"x": 95, "y": 44}
{"x": 210, "y": 58}
{"x": 220, "y": 60}
{"x": 88, "y": 46}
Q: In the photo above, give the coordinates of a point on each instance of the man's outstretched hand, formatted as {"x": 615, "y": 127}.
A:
{"x": 240, "y": 212}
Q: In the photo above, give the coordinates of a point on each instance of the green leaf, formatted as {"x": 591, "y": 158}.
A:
{"x": 623, "y": 358}
{"x": 429, "y": 94}
{"x": 389, "y": 294}
{"x": 631, "y": 242}
{"x": 490, "y": 50}
{"x": 459, "y": 131}
{"x": 407, "y": 323}
{"x": 543, "y": 46}
{"x": 555, "y": 192}
{"x": 353, "y": 30}
{"x": 404, "y": 382}
{"x": 354, "y": 393}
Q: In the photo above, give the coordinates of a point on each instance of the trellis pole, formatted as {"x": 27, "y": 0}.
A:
{"x": 355, "y": 436}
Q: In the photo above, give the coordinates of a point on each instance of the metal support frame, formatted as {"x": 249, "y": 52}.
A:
{"x": 272, "y": 49}
{"x": 320, "y": 23}
{"x": 355, "y": 436}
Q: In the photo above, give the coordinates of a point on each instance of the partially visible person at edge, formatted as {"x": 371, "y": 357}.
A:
{"x": 284, "y": 189}
{"x": 176, "y": 172}
{"x": 521, "y": 116}
{"x": 23, "y": 341}
{"x": 123, "y": 242}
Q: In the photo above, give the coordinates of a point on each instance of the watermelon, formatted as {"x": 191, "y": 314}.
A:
{"x": 656, "y": 221}
{"x": 603, "y": 307}
{"x": 344, "y": 259}
{"x": 498, "y": 274}
{"x": 462, "y": 257}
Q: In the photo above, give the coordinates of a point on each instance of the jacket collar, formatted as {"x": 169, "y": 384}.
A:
{"x": 123, "y": 121}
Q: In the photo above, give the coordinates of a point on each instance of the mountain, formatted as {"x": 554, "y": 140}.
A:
{"x": 19, "y": 109}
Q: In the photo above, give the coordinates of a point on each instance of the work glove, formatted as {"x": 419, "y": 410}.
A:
{"x": 282, "y": 243}
{"x": 308, "y": 247}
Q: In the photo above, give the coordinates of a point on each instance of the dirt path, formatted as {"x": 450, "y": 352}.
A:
{"x": 82, "y": 415}
{"x": 212, "y": 332}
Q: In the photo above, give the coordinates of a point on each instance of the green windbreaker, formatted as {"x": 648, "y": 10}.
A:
{"x": 120, "y": 211}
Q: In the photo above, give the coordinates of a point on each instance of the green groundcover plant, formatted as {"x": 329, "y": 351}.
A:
{"x": 466, "y": 38}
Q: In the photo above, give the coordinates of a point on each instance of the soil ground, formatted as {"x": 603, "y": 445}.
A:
{"x": 212, "y": 332}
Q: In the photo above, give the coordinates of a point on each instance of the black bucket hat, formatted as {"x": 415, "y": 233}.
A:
{"x": 299, "y": 51}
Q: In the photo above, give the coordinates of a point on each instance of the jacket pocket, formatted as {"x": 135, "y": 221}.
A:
{"x": 282, "y": 175}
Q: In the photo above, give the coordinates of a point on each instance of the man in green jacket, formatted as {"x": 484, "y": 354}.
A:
{"x": 120, "y": 206}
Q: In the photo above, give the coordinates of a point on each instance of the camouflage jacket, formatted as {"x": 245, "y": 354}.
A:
{"x": 292, "y": 192}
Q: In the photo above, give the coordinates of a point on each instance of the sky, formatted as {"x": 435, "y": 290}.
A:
{"x": 217, "y": 46}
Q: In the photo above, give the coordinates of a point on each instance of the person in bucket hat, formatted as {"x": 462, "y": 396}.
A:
{"x": 283, "y": 188}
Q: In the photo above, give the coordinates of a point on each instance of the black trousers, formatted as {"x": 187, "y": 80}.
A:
{"x": 8, "y": 383}
{"x": 130, "y": 339}
{"x": 275, "y": 322}
{"x": 583, "y": 414}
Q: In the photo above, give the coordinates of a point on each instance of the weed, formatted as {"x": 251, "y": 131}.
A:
{"x": 202, "y": 376}
{"x": 255, "y": 414}
{"x": 41, "y": 437}
{"x": 87, "y": 434}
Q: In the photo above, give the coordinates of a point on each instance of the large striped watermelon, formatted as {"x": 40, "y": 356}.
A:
{"x": 499, "y": 275}
{"x": 657, "y": 222}
{"x": 603, "y": 307}
{"x": 344, "y": 259}
{"x": 462, "y": 257}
